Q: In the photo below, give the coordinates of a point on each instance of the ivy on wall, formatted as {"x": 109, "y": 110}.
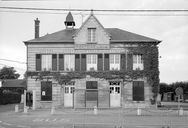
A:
{"x": 151, "y": 71}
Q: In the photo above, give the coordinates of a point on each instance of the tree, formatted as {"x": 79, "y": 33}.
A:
{"x": 8, "y": 73}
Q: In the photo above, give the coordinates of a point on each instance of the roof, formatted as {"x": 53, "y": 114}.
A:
{"x": 14, "y": 83}
{"x": 117, "y": 35}
{"x": 69, "y": 17}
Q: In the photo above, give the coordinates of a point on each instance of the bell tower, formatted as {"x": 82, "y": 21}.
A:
{"x": 69, "y": 23}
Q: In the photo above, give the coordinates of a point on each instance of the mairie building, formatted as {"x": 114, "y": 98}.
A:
{"x": 92, "y": 66}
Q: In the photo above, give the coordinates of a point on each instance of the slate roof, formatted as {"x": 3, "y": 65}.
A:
{"x": 117, "y": 35}
{"x": 69, "y": 17}
{"x": 14, "y": 83}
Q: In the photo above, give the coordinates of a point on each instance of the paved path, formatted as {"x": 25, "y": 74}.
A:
{"x": 65, "y": 118}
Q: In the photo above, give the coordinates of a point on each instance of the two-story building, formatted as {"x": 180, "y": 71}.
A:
{"x": 92, "y": 66}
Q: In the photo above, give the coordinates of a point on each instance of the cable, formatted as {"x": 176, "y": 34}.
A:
{"x": 13, "y": 67}
{"x": 104, "y": 14}
{"x": 13, "y": 61}
{"x": 101, "y": 10}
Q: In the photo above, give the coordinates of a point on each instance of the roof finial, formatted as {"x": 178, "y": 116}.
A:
{"x": 91, "y": 11}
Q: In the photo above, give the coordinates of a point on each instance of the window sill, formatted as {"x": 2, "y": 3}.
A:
{"x": 91, "y": 42}
{"x": 45, "y": 101}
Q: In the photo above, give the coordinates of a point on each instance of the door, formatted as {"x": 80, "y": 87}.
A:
{"x": 91, "y": 94}
{"x": 138, "y": 90}
{"x": 68, "y": 96}
{"x": 115, "y": 94}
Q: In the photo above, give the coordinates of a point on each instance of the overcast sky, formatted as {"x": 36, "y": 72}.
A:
{"x": 172, "y": 30}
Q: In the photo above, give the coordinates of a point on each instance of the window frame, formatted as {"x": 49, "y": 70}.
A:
{"x": 91, "y": 35}
{"x": 92, "y": 62}
{"x": 138, "y": 62}
{"x": 46, "y": 65}
{"x": 69, "y": 62}
{"x": 114, "y": 61}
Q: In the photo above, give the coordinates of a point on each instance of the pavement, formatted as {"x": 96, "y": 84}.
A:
{"x": 88, "y": 118}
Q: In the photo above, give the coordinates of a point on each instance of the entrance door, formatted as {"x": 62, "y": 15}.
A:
{"x": 68, "y": 96}
{"x": 115, "y": 95}
{"x": 91, "y": 94}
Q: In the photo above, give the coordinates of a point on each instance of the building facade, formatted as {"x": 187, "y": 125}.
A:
{"x": 92, "y": 66}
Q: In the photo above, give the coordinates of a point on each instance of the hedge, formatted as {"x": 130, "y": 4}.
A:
{"x": 9, "y": 98}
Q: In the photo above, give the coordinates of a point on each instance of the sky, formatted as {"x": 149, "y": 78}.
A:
{"x": 16, "y": 27}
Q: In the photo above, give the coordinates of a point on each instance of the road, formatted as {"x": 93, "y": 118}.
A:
{"x": 69, "y": 118}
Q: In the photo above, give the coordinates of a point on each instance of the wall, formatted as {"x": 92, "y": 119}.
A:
{"x": 101, "y": 35}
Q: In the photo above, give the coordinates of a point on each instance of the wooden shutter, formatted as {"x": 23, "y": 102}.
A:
{"x": 83, "y": 62}
{"x": 122, "y": 62}
{"x": 54, "y": 62}
{"x": 77, "y": 62}
{"x": 38, "y": 62}
{"x": 129, "y": 62}
{"x": 100, "y": 62}
{"x": 138, "y": 91}
{"x": 106, "y": 62}
{"x": 61, "y": 62}
{"x": 46, "y": 90}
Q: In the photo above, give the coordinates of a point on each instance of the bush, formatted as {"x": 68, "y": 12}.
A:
{"x": 9, "y": 97}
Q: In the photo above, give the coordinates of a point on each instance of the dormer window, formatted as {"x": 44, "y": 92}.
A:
{"x": 91, "y": 34}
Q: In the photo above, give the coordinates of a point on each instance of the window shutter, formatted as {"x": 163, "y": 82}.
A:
{"x": 61, "y": 62}
{"x": 54, "y": 62}
{"x": 83, "y": 62}
{"x": 77, "y": 62}
{"x": 106, "y": 62}
{"x": 100, "y": 62}
{"x": 38, "y": 62}
{"x": 122, "y": 62}
{"x": 130, "y": 62}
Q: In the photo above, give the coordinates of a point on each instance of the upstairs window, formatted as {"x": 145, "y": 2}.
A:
{"x": 46, "y": 62}
{"x": 138, "y": 62}
{"x": 69, "y": 62}
{"x": 92, "y": 34}
{"x": 114, "y": 62}
{"x": 91, "y": 62}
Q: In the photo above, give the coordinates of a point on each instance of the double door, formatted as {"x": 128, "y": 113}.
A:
{"x": 68, "y": 96}
{"x": 115, "y": 94}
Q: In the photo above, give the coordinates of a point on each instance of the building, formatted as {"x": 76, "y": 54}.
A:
{"x": 92, "y": 66}
{"x": 14, "y": 85}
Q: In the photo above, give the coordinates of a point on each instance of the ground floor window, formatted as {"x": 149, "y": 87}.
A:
{"x": 138, "y": 90}
{"x": 46, "y": 90}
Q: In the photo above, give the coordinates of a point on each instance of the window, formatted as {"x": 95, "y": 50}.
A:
{"x": 46, "y": 62}
{"x": 66, "y": 89}
{"x": 138, "y": 62}
{"x": 69, "y": 62}
{"x": 91, "y": 34}
{"x": 91, "y": 62}
{"x": 114, "y": 62}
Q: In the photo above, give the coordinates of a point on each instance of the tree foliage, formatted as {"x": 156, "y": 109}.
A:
{"x": 8, "y": 73}
{"x": 164, "y": 88}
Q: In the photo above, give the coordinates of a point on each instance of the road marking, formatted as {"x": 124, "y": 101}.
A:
{"x": 50, "y": 120}
{"x": 22, "y": 126}
{"x": 6, "y": 123}
{"x": 1, "y": 126}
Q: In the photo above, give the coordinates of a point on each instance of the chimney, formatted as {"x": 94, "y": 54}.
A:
{"x": 37, "y": 28}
